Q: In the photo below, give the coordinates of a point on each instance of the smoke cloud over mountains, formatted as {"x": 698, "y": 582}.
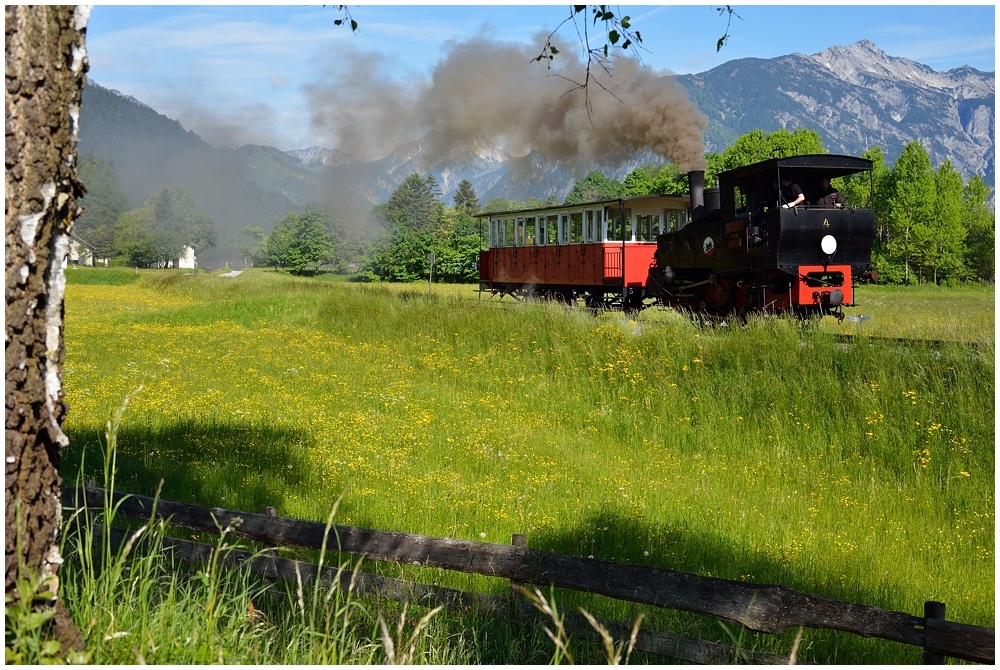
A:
{"x": 483, "y": 88}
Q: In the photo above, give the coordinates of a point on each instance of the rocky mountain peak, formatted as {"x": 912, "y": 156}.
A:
{"x": 861, "y": 60}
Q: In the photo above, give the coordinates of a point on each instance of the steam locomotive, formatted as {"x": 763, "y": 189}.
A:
{"x": 735, "y": 249}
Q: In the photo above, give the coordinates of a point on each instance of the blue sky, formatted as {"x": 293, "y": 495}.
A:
{"x": 238, "y": 74}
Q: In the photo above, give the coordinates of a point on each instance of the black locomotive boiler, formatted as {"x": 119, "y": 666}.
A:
{"x": 755, "y": 245}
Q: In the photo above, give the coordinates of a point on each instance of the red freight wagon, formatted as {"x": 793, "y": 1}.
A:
{"x": 599, "y": 251}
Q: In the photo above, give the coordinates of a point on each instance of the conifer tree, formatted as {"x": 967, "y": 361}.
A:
{"x": 465, "y": 198}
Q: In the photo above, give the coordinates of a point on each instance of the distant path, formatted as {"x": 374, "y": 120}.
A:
{"x": 234, "y": 273}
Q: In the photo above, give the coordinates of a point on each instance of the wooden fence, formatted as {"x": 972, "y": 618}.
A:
{"x": 762, "y": 608}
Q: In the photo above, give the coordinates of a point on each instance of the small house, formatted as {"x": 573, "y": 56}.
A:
{"x": 187, "y": 260}
{"x": 80, "y": 253}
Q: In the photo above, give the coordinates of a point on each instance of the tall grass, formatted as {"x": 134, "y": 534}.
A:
{"x": 860, "y": 471}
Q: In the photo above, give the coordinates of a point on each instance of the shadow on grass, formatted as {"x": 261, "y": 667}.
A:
{"x": 611, "y": 536}
{"x": 235, "y": 466}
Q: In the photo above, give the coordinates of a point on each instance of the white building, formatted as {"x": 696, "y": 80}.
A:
{"x": 80, "y": 253}
{"x": 187, "y": 260}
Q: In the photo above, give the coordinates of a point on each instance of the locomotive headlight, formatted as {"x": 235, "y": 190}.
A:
{"x": 828, "y": 244}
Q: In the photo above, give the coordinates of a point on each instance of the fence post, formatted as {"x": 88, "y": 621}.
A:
{"x": 933, "y": 610}
{"x": 516, "y": 602}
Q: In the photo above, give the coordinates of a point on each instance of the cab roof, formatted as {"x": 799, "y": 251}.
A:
{"x": 831, "y": 165}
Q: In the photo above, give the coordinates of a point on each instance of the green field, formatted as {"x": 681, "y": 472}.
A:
{"x": 770, "y": 452}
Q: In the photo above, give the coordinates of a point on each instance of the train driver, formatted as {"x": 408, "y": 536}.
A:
{"x": 828, "y": 195}
{"x": 791, "y": 193}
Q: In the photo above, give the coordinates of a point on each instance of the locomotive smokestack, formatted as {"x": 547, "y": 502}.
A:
{"x": 696, "y": 181}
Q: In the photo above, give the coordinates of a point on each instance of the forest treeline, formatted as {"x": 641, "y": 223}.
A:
{"x": 932, "y": 226}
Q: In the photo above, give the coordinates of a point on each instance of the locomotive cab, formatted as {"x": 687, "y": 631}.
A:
{"x": 751, "y": 250}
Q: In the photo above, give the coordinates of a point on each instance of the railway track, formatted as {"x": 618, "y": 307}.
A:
{"x": 910, "y": 342}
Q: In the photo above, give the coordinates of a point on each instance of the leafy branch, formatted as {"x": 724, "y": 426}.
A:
{"x": 728, "y": 10}
{"x": 617, "y": 30}
{"x": 348, "y": 19}
{"x": 618, "y": 33}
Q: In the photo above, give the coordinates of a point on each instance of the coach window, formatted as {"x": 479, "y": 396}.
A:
{"x": 619, "y": 229}
{"x": 575, "y": 227}
{"x": 674, "y": 219}
{"x": 614, "y": 224}
{"x": 647, "y": 227}
{"x": 550, "y": 228}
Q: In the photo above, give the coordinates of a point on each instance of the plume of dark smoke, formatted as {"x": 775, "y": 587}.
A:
{"x": 483, "y": 88}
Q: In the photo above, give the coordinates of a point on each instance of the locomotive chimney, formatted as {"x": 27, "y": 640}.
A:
{"x": 696, "y": 181}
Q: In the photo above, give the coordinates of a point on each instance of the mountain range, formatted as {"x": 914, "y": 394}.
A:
{"x": 856, "y": 97}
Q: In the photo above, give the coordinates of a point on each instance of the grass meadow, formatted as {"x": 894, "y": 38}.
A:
{"x": 768, "y": 453}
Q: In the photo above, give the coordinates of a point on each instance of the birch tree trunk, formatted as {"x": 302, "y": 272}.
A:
{"x": 45, "y": 66}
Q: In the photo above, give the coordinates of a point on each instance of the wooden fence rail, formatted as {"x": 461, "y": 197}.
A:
{"x": 763, "y": 608}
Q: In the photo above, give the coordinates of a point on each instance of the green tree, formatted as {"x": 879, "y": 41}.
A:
{"x": 666, "y": 179}
{"x": 180, "y": 221}
{"x": 595, "y": 186}
{"x": 136, "y": 242}
{"x": 911, "y": 199}
{"x": 104, "y": 202}
{"x": 250, "y": 242}
{"x": 159, "y": 231}
{"x": 413, "y": 222}
{"x": 747, "y": 149}
{"x": 948, "y": 231}
{"x": 871, "y": 191}
{"x": 757, "y": 146}
{"x": 303, "y": 239}
{"x": 465, "y": 198}
{"x": 715, "y": 165}
{"x": 638, "y": 182}
{"x": 500, "y": 205}
{"x": 535, "y": 203}
{"x": 671, "y": 180}
{"x": 457, "y": 253}
{"x": 278, "y": 245}
{"x": 782, "y": 143}
{"x": 313, "y": 237}
{"x": 980, "y": 219}
{"x": 414, "y": 203}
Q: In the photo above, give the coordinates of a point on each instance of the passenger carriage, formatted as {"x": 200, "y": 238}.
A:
{"x": 598, "y": 251}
